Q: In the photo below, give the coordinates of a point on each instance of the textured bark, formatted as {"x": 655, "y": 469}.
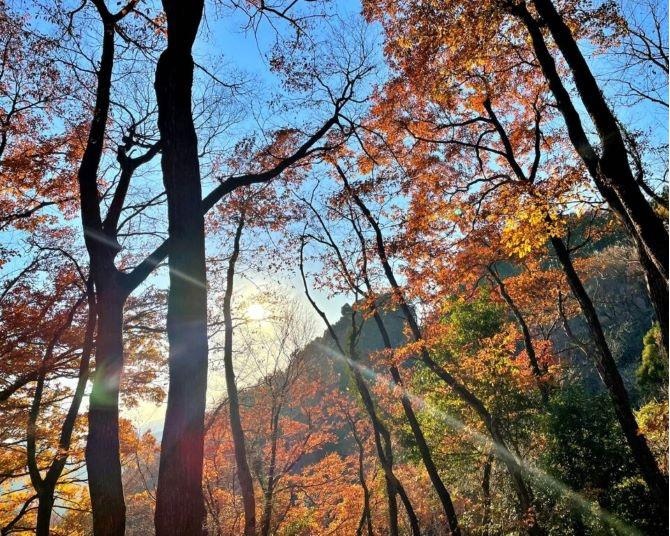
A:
{"x": 180, "y": 505}
{"x": 611, "y": 378}
{"x": 103, "y": 460}
{"x": 243, "y": 471}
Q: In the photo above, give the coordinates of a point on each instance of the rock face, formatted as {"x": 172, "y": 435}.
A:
{"x": 325, "y": 350}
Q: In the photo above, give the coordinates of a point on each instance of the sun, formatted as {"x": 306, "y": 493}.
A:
{"x": 257, "y": 312}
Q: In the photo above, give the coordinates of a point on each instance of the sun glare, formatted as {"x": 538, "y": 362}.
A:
{"x": 256, "y": 311}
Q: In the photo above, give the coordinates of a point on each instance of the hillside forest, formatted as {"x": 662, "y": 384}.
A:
{"x": 334, "y": 267}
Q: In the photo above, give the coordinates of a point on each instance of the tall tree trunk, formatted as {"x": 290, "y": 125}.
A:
{"x": 180, "y": 505}
{"x": 647, "y": 227}
{"x": 103, "y": 460}
{"x": 381, "y": 434}
{"x": 385, "y": 454}
{"x": 611, "y": 172}
{"x": 609, "y": 374}
{"x": 366, "y": 514}
{"x": 243, "y": 471}
{"x": 103, "y": 463}
{"x": 44, "y": 509}
{"x": 486, "y": 495}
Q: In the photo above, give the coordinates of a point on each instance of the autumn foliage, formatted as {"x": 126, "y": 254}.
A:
{"x": 300, "y": 268}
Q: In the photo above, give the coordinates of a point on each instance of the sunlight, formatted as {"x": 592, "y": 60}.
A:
{"x": 257, "y": 312}
{"x": 581, "y": 503}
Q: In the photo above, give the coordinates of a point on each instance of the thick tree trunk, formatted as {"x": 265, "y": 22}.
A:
{"x": 102, "y": 447}
{"x": 609, "y": 374}
{"x": 44, "y": 509}
{"x": 180, "y": 505}
{"x": 103, "y": 460}
{"x": 243, "y": 471}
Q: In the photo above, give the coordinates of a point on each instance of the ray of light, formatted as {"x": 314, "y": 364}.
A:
{"x": 104, "y": 239}
{"x": 578, "y": 501}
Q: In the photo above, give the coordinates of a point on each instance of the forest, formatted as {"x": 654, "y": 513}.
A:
{"x": 334, "y": 267}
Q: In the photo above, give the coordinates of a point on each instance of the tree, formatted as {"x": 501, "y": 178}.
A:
{"x": 525, "y": 48}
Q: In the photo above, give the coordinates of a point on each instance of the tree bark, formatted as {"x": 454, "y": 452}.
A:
{"x": 44, "y": 509}
{"x": 648, "y": 228}
{"x": 609, "y": 374}
{"x": 366, "y": 514}
{"x": 102, "y": 447}
{"x": 243, "y": 471}
{"x": 486, "y": 495}
{"x": 422, "y": 445}
{"x": 103, "y": 460}
{"x": 268, "y": 495}
{"x": 180, "y": 505}
{"x": 381, "y": 433}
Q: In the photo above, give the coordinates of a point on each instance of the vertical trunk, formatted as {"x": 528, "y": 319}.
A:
{"x": 243, "y": 471}
{"x": 103, "y": 460}
{"x": 657, "y": 287}
{"x": 527, "y": 509}
{"x": 385, "y": 455}
{"x": 609, "y": 374}
{"x": 267, "y": 510}
{"x": 381, "y": 433}
{"x": 268, "y": 495}
{"x": 366, "y": 514}
{"x": 180, "y": 505}
{"x": 383, "y": 444}
{"x": 102, "y": 447}
{"x": 411, "y": 514}
{"x": 486, "y": 495}
{"x": 47, "y": 485}
{"x": 44, "y": 509}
